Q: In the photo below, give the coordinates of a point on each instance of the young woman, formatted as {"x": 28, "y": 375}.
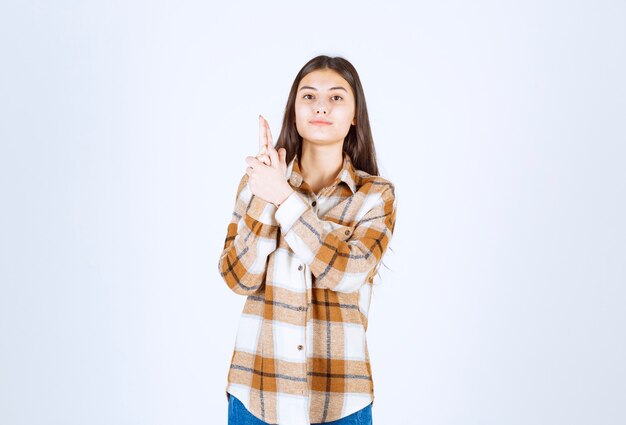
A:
{"x": 312, "y": 221}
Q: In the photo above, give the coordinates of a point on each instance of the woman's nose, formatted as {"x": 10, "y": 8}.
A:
{"x": 320, "y": 108}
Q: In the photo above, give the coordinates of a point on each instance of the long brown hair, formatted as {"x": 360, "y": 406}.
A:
{"x": 358, "y": 143}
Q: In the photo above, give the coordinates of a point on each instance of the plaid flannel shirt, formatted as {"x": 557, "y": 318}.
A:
{"x": 307, "y": 269}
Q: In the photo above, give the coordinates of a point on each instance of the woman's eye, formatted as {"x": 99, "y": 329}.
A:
{"x": 310, "y": 96}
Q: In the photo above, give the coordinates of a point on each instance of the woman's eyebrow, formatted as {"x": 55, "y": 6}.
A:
{"x": 332, "y": 88}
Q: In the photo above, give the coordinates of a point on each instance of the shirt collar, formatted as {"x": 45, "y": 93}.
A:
{"x": 346, "y": 175}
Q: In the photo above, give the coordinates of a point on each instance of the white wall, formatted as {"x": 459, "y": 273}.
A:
{"x": 124, "y": 127}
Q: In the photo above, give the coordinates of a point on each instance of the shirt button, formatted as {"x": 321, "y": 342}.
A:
{"x": 314, "y": 203}
{"x": 300, "y": 267}
{"x": 347, "y": 232}
{"x": 300, "y": 347}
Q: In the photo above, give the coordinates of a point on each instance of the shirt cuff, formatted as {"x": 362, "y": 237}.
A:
{"x": 290, "y": 210}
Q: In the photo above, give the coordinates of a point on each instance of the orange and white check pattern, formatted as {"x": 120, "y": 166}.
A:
{"x": 307, "y": 269}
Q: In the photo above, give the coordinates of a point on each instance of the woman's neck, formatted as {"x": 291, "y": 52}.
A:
{"x": 320, "y": 165}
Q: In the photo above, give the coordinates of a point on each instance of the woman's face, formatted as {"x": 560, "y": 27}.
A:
{"x": 325, "y": 107}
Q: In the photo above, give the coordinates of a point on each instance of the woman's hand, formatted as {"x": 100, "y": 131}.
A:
{"x": 269, "y": 182}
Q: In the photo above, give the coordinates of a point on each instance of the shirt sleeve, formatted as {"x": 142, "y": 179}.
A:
{"x": 250, "y": 238}
{"x": 340, "y": 257}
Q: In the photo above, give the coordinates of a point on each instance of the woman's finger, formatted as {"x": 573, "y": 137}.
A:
{"x": 264, "y": 158}
{"x": 282, "y": 154}
{"x": 268, "y": 135}
{"x": 273, "y": 155}
{"x": 262, "y": 133}
{"x": 252, "y": 161}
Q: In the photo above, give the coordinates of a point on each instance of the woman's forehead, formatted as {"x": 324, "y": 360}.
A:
{"x": 324, "y": 79}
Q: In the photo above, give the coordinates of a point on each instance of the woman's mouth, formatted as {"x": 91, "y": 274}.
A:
{"x": 320, "y": 122}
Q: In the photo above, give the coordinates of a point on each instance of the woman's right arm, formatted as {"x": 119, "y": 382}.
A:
{"x": 251, "y": 237}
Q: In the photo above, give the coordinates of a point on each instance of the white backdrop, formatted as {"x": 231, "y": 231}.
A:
{"x": 124, "y": 127}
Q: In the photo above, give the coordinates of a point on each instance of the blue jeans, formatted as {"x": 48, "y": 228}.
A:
{"x": 239, "y": 415}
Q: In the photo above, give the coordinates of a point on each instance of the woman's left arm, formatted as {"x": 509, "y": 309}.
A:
{"x": 340, "y": 261}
